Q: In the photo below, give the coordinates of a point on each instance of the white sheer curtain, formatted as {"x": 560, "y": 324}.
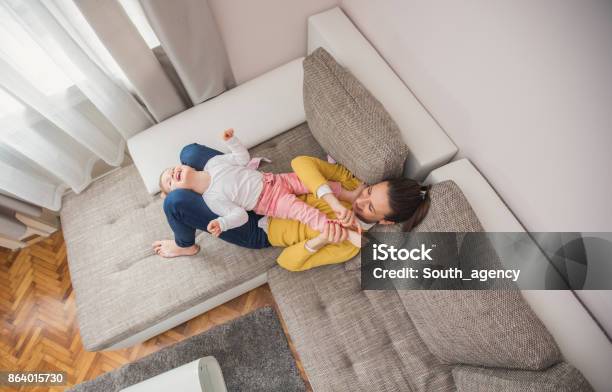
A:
{"x": 60, "y": 112}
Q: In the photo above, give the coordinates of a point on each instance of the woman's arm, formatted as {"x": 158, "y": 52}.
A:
{"x": 314, "y": 172}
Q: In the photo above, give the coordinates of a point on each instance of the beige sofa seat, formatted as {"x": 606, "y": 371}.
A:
{"x": 122, "y": 287}
{"x": 398, "y": 340}
{"x": 354, "y": 340}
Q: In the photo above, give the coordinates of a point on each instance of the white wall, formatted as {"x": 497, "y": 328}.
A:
{"x": 523, "y": 88}
{"x": 260, "y": 35}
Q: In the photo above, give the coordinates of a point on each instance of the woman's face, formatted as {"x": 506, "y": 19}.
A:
{"x": 372, "y": 205}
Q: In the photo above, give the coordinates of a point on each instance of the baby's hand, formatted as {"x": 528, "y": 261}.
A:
{"x": 228, "y": 134}
{"x": 214, "y": 228}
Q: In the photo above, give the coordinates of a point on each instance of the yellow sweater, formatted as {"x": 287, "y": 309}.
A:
{"x": 292, "y": 235}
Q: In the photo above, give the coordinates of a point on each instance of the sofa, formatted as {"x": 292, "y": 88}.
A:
{"x": 347, "y": 338}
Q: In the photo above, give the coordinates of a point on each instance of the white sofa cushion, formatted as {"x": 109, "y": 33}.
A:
{"x": 258, "y": 110}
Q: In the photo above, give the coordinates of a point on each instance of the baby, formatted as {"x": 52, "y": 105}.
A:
{"x": 230, "y": 189}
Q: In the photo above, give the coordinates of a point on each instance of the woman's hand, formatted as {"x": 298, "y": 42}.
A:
{"x": 345, "y": 216}
{"x": 228, "y": 134}
{"x": 333, "y": 233}
{"x": 169, "y": 249}
{"x": 214, "y": 228}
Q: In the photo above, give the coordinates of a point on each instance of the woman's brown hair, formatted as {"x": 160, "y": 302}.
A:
{"x": 409, "y": 202}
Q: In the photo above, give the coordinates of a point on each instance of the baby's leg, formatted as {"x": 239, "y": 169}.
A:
{"x": 289, "y": 206}
{"x": 298, "y": 188}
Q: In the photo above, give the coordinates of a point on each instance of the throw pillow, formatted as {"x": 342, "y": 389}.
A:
{"x": 349, "y": 123}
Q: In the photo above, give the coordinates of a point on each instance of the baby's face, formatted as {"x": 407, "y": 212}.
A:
{"x": 178, "y": 177}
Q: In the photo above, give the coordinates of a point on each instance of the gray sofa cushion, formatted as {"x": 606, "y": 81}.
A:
{"x": 121, "y": 286}
{"x": 493, "y": 328}
{"x": 349, "y": 123}
{"x": 449, "y": 211}
{"x": 561, "y": 377}
{"x": 486, "y": 328}
{"x": 354, "y": 340}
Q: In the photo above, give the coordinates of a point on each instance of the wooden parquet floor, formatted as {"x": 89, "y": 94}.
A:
{"x": 38, "y": 327}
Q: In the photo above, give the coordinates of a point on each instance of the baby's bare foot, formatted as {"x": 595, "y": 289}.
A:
{"x": 169, "y": 249}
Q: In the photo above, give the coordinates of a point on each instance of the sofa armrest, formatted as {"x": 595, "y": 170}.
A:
{"x": 258, "y": 109}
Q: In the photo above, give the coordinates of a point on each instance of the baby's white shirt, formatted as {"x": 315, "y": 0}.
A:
{"x": 234, "y": 189}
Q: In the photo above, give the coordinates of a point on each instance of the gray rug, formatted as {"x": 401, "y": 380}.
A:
{"x": 252, "y": 351}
